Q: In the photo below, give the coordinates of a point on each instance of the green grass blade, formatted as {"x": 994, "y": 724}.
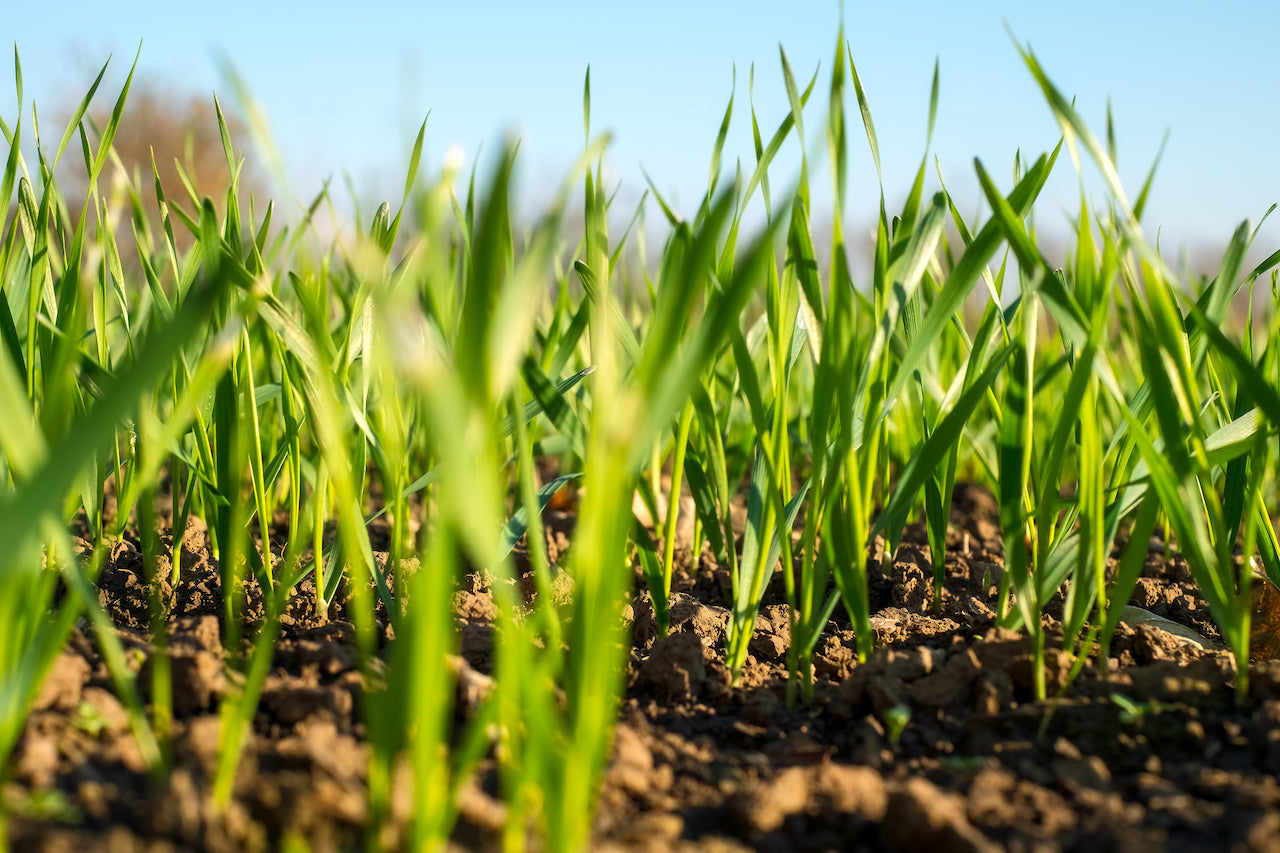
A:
{"x": 966, "y": 273}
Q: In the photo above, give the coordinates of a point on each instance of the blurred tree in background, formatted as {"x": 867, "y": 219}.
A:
{"x": 178, "y": 132}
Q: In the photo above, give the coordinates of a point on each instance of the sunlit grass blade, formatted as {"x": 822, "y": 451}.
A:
{"x": 1015, "y": 462}
{"x": 968, "y": 269}
{"x": 921, "y": 467}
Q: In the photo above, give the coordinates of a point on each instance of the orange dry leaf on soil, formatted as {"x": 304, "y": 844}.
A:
{"x": 1265, "y": 642}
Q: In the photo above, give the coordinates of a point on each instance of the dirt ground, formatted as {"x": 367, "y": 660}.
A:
{"x": 933, "y": 744}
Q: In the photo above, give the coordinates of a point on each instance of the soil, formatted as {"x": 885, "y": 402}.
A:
{"x": 935, "y": 743}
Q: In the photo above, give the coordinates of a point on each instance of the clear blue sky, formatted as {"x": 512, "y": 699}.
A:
{"x": 346, "y": 86}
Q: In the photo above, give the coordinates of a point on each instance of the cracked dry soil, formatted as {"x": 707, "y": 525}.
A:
{"x": 698, "y": 764}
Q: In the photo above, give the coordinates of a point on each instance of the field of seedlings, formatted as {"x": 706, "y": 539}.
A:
{"x": 472, "y": 533}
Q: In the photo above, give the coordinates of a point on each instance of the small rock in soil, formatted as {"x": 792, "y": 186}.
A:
{"x": 921, "y": 816}
{"x": 62, "y": 686}
{"x": 675, "y": 668}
